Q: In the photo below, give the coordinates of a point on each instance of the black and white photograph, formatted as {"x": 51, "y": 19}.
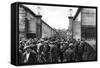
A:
{"x": 49, "y": 34}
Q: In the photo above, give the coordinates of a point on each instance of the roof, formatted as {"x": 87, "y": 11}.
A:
{"x": 27, "y": 9}
{"x": 48, "y": 26}
{"x": 78, "y": 11}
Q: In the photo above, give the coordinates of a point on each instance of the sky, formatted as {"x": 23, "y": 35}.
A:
{"x": 56, "y": 17}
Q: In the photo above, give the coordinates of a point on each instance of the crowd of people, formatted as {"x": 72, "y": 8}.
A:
{"x": 53, "y": 50}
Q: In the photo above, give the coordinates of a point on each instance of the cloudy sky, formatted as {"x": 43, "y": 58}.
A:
{"x": 56, "y": 17}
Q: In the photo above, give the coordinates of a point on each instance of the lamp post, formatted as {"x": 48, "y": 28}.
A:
{"x": 38, "y": 10}
{"x": 70, "y": 22}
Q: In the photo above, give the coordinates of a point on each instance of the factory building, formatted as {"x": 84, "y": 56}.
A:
{"x": 32, "y": 26}
{"x": 83, "y": 25}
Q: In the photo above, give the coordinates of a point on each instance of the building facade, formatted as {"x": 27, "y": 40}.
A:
{"x": 84, "y": 24}
{"x": 89, "y": 23}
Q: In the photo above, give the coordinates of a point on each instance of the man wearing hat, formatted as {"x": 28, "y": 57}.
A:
{"x": 54, "y": 53}
{"x": 46, "y": 51}
{"x": 39, "y": 50}
{"x": 69, "y": 54}
{"x": 29, "y": 56}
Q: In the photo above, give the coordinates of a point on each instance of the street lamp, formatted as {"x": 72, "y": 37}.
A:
{"x": 38, "y": 10}
{"x": 70, "y": 22}
{"x": 70, "y": 12}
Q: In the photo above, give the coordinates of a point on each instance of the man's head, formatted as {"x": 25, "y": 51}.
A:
{"x": 83, "y": 39}
{"x": 28, "y": 49}
{"x": 71, "y": 45}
